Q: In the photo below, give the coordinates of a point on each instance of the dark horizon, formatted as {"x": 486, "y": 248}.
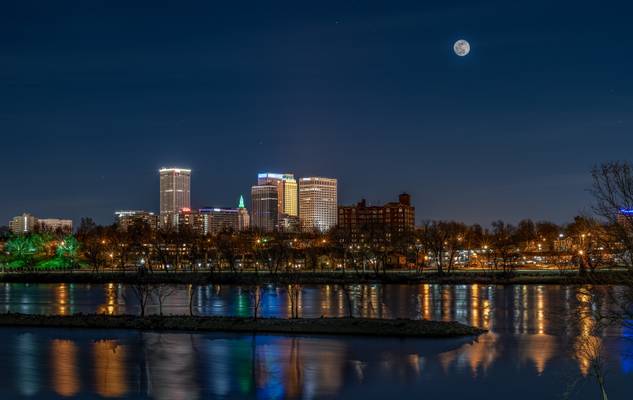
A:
{"x": 94, "y": 98}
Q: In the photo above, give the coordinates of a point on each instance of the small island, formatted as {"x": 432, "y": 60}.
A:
{"x": 320, "y": 326}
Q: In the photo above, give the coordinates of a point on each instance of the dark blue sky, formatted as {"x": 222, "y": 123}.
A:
{"x": 95, "y": 96}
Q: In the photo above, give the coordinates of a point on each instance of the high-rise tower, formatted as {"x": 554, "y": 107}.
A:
{"x": 175, "y": 192}
{"x": 264, "y": 203}
{"x": 286, "y": 191}
{"x": 317, "y": 203}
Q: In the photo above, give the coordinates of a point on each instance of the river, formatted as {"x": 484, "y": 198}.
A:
{"x": 532, "y": 350}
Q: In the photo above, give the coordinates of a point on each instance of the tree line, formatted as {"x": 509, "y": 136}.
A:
{"x": 586, "y": 244}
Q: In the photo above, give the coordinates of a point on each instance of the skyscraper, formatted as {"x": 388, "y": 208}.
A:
{"x": 243, "y": 219}
{"x": 175, "y": 192}
{"x": 264, "y": 201}
{"x": 286, "y": 191}
{"x": 317, "y": 203}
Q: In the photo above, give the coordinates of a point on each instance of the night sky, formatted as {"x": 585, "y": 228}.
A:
{"x": 95, "y": 96}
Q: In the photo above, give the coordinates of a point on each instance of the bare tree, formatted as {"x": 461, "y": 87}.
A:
{"x": 613, "y": 193}
{"x": 192, "y": 297}
{"x": 588, "y": 345}
{"x": 347, "y": 293}
{"x": 93, "y": 243}
{"x": 255, "y": 295}
{"x": 590, "y": 353}
{"x": 162, "y": 291}
{"x": 142, "y": 293}
{"x": 503, "y": 244}
{"x": 443, "y": 240}
{"x": 294, "y": 292}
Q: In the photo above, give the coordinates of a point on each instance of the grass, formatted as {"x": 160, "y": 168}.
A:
{"x": 321, "y": 326}
{"x": 250, "y": 278}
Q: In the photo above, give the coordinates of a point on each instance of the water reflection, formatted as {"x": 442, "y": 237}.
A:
{"x": 587, "y": 345}
{"x": 64, "y": 360}
{"x": 518, "y": 309}
{"x": 171, "y": 366}
{"x": 110, "y": 306}
{"x": 535, "y": 331}
{"x": 109, "y": 368}
{"x": 26, "y": 363}
{"x": 194, "y": 366}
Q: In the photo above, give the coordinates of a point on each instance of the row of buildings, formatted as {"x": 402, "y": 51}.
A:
{"x": 27, "y": 223}
{"x": 279, "y": 202}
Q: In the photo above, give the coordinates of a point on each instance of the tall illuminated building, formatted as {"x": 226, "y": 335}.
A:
{"x": 287, "y": 202}
{"x": 243, "y": 218}
{"x": 175, "y": 192}
{"x": 317, "y": 203}
{"x": 265, "y": 203}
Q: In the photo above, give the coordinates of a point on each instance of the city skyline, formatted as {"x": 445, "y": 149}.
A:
{"x": 195, "y": 202}
{"x": 331, "y": 199}
{"x": 372, "y": 94}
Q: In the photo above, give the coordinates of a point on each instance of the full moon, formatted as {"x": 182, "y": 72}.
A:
{"x": 461, "y": 47}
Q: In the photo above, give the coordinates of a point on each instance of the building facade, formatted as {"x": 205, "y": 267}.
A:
{"x": 243, "y": 218}
{"x": 175, "y": 193}
{"x": 128, "y": 218}
{"x": 377, "y": 223}
{"x": 287, "y": 195}
{"x": 217, "y": 219}
{"x": 55, "y": 225}
{"x": 22, "y": 224}
{"x": 318, "y": 201}
{"x": 27, "y": 223}
{"x": 190, "y": 220}
{"x": 265, "y": 207}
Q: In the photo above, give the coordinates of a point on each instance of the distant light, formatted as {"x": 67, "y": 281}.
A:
{"x": 176, "y": 170}
{"x": 627, "y": 211}
{"x": 270, "y": 175}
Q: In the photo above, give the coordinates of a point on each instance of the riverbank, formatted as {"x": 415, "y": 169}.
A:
{"x": 318, "y": 326}
{"x": 332, "y": 278}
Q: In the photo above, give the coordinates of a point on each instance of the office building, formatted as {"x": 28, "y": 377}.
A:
{"x": 23, "y": 224}
{"x": 55, "y": 225}
{"x": 317, "y": 204}
{"x": 265, "y": 207}
{"x": 125, "y": 219}
{"x": 27, "y": 223}
{"x": 287, "y": 200}
{"x": 218, "y": 219}
{"x": 175, "y": 193}
{"x": 377, "y": 223}
{"x": 189, "y": 220}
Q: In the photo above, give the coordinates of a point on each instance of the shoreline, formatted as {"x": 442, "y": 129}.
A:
{"x": 310, "y": 326}
{"x": 252, "y": 278}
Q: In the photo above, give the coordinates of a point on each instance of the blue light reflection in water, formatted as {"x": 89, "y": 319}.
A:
{"x": 529, "y": 351}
